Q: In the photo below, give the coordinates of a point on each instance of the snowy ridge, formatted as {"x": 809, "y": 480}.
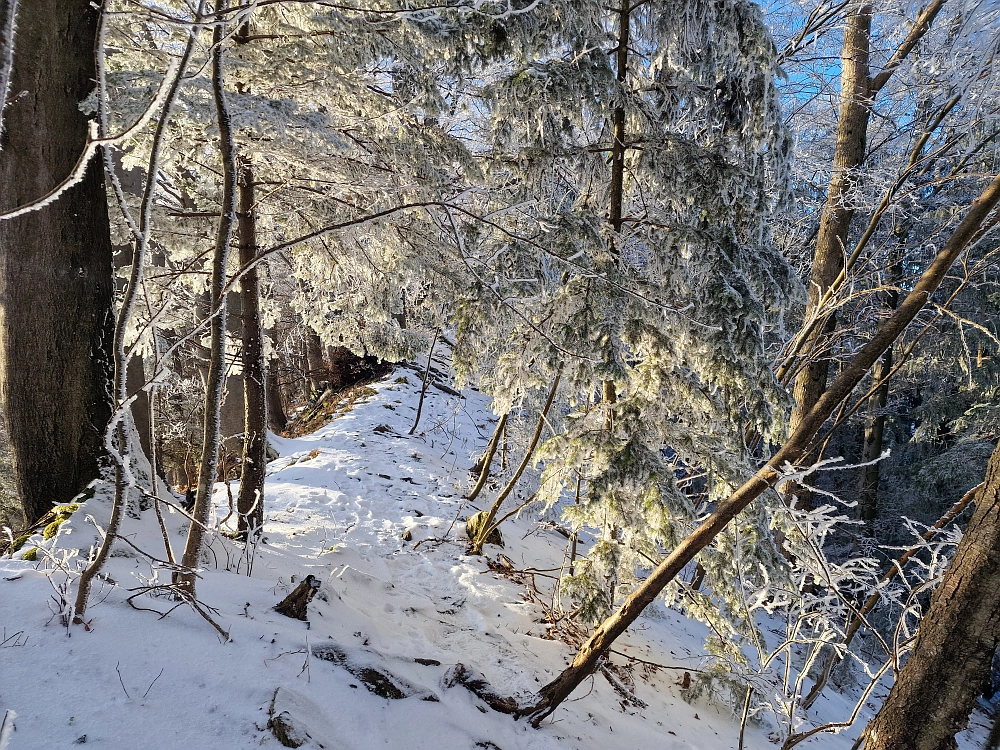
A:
{"x": 338, "y": 504}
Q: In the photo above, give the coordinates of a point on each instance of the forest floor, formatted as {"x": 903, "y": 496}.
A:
{"x": 339, "y": 503}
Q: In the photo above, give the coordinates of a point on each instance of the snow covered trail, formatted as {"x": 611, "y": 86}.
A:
{"x": 338, "y": 504}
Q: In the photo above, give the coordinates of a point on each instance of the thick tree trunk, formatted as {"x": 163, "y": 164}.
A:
{"x": 56, "y": 289}
{"x": 250, "y": 502}
{"x": 831, "y": 241}
{"x": 936, "y": 689}
{"x": 858, "y": 89}
{"x": 216, "y": 368}
{"x": 592, "y": 651}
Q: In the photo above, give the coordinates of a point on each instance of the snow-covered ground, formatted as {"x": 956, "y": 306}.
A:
{"x": 338, "y": 504}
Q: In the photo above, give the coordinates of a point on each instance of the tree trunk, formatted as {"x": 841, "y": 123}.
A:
{"x": 8, "y": 22}
{"x": 141, "y": 414}
{"x": 488, "y": 526}
{"x": 216, "y": 368}
{"x": 423, "y": 387}
{"x": 858, "y": 89}
{"x": 276, "y": 419}
{"x": 875, "y": 424}
{"x": 250, "y": 502}
{"x": 482, "y": 467}
{"x": 56, "y": 288}
{"x": 314, "y": 357}
{"x": 618, "y": 145}
{"x": 936, "y": 689}
{"x": 588, "y": 657}
{"x": 828, "y": 259}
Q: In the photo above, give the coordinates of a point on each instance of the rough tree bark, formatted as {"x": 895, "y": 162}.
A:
{"x": 936, "y": 689}
{"x": 828, "y": 257}
{"x": 216, "y": 369}
{"x": 56, "y": 288}
{"x": 593, "y": 650}
{"x": 8, "y": 23}
{"x": 250, "y": 501}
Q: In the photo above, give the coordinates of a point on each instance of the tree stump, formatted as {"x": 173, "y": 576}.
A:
{"x": 295, "y": 604}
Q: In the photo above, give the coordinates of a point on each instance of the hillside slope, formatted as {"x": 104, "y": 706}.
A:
{"x": 396, "y": 613}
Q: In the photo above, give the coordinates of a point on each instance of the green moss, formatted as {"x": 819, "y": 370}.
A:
{"x": 62, "y": 512}
{"x": 401, "y": 381}
{"x": 31, "y": 555}
{"x": 19, "y": 542}
{"x": 474, "y": 527}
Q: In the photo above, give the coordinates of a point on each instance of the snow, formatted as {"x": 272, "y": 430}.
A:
{"x": 338, "y": 503}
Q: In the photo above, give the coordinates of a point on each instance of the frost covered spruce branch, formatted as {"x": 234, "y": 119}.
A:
{"x": 586, "y": 659}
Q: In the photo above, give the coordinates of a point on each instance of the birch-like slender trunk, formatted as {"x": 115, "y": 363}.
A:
{"x": 216, "y": 368}
{"x": 487, "y": 460}
{"x": 798, "y": 444}
{"x": 487, "y": 527}
{"x": 423, "y": 386}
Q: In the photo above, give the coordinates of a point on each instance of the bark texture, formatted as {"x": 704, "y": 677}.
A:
{"x": 8, "y": 20}
{"x": 56, "y": 289}
{"x": 276, "y": 419}
{"x": 142, "y": 406}
{"x": 250, "y": 502}
{"x": 831, "y": 241}
{"x": 936, "y": 689}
